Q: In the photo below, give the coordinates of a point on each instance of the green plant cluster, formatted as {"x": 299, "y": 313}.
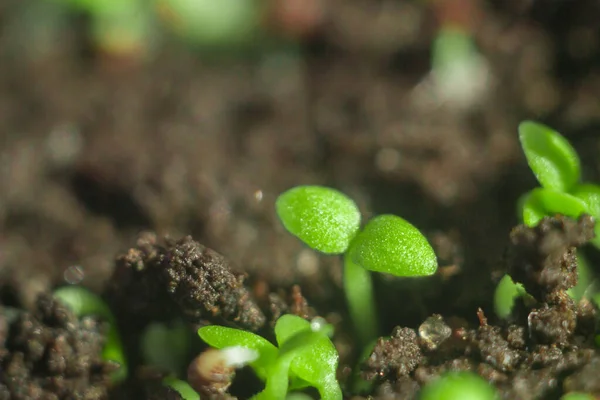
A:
{"x": 305, "y": 356}
{"x": 329, "y": 221}
{"x": 557, "y": 167}
{"x": 83, "y": 302}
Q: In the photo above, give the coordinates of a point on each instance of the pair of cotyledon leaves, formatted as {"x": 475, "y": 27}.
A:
{"x": 557, "y": 168}
{"x": 329, "y": 221}
{"x": 305, "y": 357}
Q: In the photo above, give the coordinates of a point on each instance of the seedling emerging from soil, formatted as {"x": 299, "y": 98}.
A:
{"x": 305, "y": 357}
{"x": 328, "y": 221}
{"x": 557, "y": 168}
{"x": 83, "y": 302}
{"x": 118, "y": 27}
{"x": 182, "y": 387}
{"x": 577, "y": 396}
{"x": 459, "y": 385}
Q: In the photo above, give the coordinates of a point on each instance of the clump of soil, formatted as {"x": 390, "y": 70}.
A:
{"x": 182, "y": 277}
{"x": 51, "y": 354}
{"x": 546, "y": 351}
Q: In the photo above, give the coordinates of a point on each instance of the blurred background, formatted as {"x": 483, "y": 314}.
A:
{"x": 191, "y": 116}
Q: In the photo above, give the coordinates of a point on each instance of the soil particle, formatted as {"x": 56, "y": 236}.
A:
{"x": 185, "y": 278}
{"x": 400, "y": 353}
{"x": 586, "y": 379}
{"x": 539, "y": 356}
{"x": 50, "y": 354}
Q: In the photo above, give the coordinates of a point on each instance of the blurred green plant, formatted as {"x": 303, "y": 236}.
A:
{"x": 459, "y": 386}
{"x": 329, "y": 221}
{"x": 557, "y": 167}
{"x": 83, "y": 302}
{"x": 305, "y": 356}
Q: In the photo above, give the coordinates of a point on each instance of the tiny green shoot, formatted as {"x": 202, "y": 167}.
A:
{"x": 505, "y": 295}
{"x": 577, "y": 396}
{"x": 329, "y": 221}
{"x": 557, "y": 167}
{"x": 550, "y": 156}
{"x": 182, "y": 387}
{"x": 83, "y": 302}
{"x": 305, "y": 357}
{"x": 459, "y": 386}
{"x": 166, "y": 346}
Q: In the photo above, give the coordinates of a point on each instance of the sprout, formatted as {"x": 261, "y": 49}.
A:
{"x": 505, "y": 295}
{"x": 305, "y": 357}
{"x": 83, "y": 302}
{"x": 556, "y": 165}
{"x": 459, "y": 386}
{"x": 550, "y": 156}
{"x": 328, "y": 221}
{"x": 183, "y": 388}
{"x": 323, "y": 218}
{"x": 577, "y": 396}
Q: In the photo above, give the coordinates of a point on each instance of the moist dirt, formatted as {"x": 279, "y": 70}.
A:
{"x": 154, "y": 186}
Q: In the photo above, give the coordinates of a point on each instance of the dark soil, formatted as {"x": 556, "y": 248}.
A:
{"x": 90, "y": 156}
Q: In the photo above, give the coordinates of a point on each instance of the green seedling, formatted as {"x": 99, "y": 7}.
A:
{"x": 577, "y": 396}
{"x": 328, "y": 221}
{"x": 557, "y": 167}
{"x": 83, "y": 302}
{"x": 123, "y": 27}
{"x": 182, "y": 387}
{"x": 211, "y": 24}
{"x": 166, "y": 347}
{"x": 459, "y": 386}
{"x": 505, "y": 295}
{"x": 305, "y": 356}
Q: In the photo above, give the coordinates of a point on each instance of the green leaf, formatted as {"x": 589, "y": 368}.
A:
{"x": 459, "y": 385}
{"x": 546, "y": 202}
{"x": 317, "y": 363}
{"x": 220, "y": 337}
{"x": 590, "y": 194}
{"x": 183, "y": 388}
{"x": 323, "y": 218}
{"x": 392, "y": 245}
{"x": 550, "y": 156}
{"x": 315, "y": 360}
{"x": 577, "y": 396}
{"x": 504, "y": 296}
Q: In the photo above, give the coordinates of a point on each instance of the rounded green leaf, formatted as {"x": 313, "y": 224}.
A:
{"x": 459, "y": 385}
{"x": 504, "y": 296}
{"x": 183, "y": 388}
{"x": 590, "y": 194}
{"x": 550, "y": 156}
{"x": 543, "y": 202}
{"x": 316, "y": 364}
{"x": 323, "y": 218}
{"x": 392, "y": 245}
{"x": 220, "y": 337}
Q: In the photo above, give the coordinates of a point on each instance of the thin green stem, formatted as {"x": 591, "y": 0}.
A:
{"x": 358, "y": 286}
